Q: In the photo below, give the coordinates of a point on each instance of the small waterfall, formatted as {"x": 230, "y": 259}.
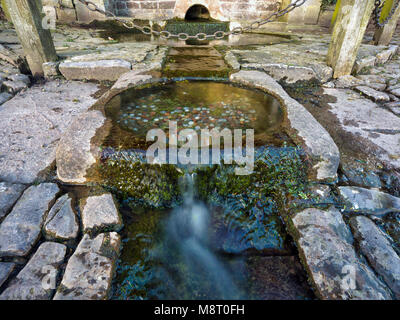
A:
{"x": 188, "y": 229}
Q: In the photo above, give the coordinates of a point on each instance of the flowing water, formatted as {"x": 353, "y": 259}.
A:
{"x": 171, "y": 255}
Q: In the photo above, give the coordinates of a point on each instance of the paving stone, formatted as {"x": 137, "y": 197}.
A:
{"x": 51, "y": 70}
{"x": 100, "y": 70}
{"x": 89, "y": 272}
{"x": 37, "y": 280}
{"x": 14, "y": 87}
{"x": 369, "y": 201}
{"x": 364, "y": 63}
{"x": 9, "y": 194}
{"x": 371, "y": 127}
{"x": 6, "y": 268}
{"x": 32, "y": 123}
{"x": 4, "y": 97}
{"x": 61, "y": 223}
{"x": 100, "y": 214}
{"x": 326, "y": 248}
{"x": 21, "y": 229}
{"x": 76, "y": 152}
{"x": 373, "y": 94}
{"x": 20, "y": 77}
{"x": 348, "y": 81}
{"x": 396, "y": 92}
{"x": 378, "y": 250}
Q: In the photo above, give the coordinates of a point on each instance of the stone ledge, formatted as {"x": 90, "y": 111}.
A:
{"x": 102, "y": 70}
{"x": 317, "y": 141}
{"x": 76, "y": 153}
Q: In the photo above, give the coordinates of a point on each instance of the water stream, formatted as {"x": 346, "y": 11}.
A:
{"x": 188, "y": 231}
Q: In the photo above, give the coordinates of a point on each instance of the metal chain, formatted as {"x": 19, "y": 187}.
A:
{"x": 199, "y": 36}
{"x": 378, "y": 12}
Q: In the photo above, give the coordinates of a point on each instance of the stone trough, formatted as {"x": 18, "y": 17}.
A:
{"x": 78, "y": 153}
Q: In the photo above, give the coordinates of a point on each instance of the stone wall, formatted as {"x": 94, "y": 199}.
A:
{"x": 225, "y": 10}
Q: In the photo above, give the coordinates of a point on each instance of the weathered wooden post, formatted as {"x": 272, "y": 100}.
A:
{"x": 348, "y": 32}
{"x": 36, "y": 41}
{"x": 384, "y": 35}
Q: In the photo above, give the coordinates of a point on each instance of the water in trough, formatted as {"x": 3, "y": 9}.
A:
{"x": 203, "y": 232}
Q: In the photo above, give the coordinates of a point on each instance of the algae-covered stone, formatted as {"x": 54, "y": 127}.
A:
{"x": 100, "y": 214}
{"x": 76, "y": 153}
{"x": 61, "y": 223}
{"x": 147, "y": 185}
{"x": 326, "y": 247}
{"x": 37, "y": 280}
{"x": 90, "y": 270}
{"x": 21, "y": 228}
{"x": 378, "y": 250}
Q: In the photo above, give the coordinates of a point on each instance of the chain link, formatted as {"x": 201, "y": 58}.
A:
{"x": 199, "y": 36}
{"x": 377, "y": 14}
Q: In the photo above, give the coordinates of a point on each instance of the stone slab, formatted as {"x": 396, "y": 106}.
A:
{"x": 100, "y": 214}
{"x": 37, "y": 280}
{"x": 378, "y": 250}
{"x": 90, "y": 270}
{"x": 9, "y": 194}
{"x": 100, "y": 70}
{"x": 326, "y": 248}
{"x": 21, "y": 229}
{"x": 32, "y": 123}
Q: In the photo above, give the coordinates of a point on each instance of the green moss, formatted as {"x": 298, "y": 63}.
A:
{"x": 144, "y": 184}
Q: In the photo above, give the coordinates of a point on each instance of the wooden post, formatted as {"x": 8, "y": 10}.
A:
{"x": 384, "y": 35}
{"x": 26, "y": 15}
{"x": 348, "y": 32}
